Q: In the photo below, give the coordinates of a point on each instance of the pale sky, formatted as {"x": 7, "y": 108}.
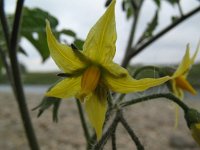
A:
{"x": 81, "y": 15}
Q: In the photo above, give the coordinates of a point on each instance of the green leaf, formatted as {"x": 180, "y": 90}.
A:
{"x": 68, "y": 32}
{"x": 173, "y": 2}
{"x": 152, "y": 25}
{"x": 128, "y": 8}
{"x": 22, "y": 51}
{"x": 129, "y": 12}
{"x": 150, "y": 28}
{"x": 79, "y": 43}
{"x": 108, "y": 3}
{"x": 157, "y": 2}
{"x": 46, "y": 103}
{"x": 33, "y": 29}
{"x": 174, "y": 18}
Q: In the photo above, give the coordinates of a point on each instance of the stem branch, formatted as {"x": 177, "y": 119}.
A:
{"x": 134, "y": 51}
{"x": 155, "y": 96}
{"x": 131, "y": 133}
{"x": 83, "y": 121}
{"x": 108, "y": 132}
{"x": 12, "y": 49}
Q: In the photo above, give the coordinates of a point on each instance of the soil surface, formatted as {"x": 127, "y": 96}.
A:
{"x": 153, "y": 122}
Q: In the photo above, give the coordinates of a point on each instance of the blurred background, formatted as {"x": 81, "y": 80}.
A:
{"x": 71, "y": 21}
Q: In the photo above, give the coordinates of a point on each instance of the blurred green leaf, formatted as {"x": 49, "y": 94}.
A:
{"x": 129, "y": 12}
{"x": 68, "y": 32}
{"x": 127, "y": 6}
{"x": 108, "y": 3}
{"x": 174, "y": 18}
{"x": 173, "y": 2}
{"x": 157, "y": 2}
{"x": 79, "y": 43}
{"x": 46, "y": 103}
{"x": 33, "y": 29}
{"x": 21, "y": 50}
{"x": 150, "y": 27}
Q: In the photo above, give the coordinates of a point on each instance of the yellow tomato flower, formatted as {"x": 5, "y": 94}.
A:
{"x": 179, "y": 78}
{"x": 195, "y": 130}
{"x": 92, "y": 71}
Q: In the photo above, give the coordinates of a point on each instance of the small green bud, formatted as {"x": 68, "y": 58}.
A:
{"x": 192, "y": 116}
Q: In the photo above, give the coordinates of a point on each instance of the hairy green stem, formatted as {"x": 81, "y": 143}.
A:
{"x": 113, "y": 136}
{"x": 133, "y": 28}
{"x": 132, "y": 134}
{"x": 17, "y": 78}
{"x": 140, "y": 48}
{"x": 168, "y": 96}
{"x": 180, "y": 8}
{"x": 83, "y": 121}
{"x": 4, "y": 23}
{"x": 108, "y": 133}
{"x": 2, "y": 53}
{"x": 8, "y": 70}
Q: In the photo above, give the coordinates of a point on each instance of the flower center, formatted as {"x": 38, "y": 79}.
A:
{"x": 89, "y": 81}
{"x": 184, "y": 84}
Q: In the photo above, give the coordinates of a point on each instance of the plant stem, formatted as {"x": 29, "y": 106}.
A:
{"x": 168, "y": 96}
{"x": 4, "y": 23}
{"x": 133, "y": 28}
{"x": 180, "y": 9}
{"x": 17, "y": 78}
{"x": 7, "y": 38}
{"x": 108, "y": 133}
{"x": 157, "y": 36}
{"x": 8, "y": 70}
{"x": 113, "y": 136}
{"x": 132, "y": 134}
{"x": 83, "y": 121}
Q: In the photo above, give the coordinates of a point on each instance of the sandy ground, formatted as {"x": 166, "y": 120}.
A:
{"x": 152, "y": 121}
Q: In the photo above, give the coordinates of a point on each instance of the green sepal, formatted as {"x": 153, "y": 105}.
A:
{"x": 46, "y": 103}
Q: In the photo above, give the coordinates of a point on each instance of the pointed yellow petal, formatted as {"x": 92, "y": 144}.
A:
{"x": 96, "y": 106}
{"x": 128, "y": 84}
{"x": 178, "y": 92}
{"x": 195, "y": 54}
{"x": 116, "y": 70}
{"x": 100, "y": 42}
{"x": 62, "y": 54}
{"x": 66, "y": 88}
{"x": 195, "y": 130}
{"x": 182, "y": 83}
{"x": 185, "y": 64}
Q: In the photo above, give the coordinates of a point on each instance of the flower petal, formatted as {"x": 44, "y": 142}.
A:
{"x": 182, "y": 83}
{"x": 100, "y": 42}
{"x": 184, "y": 65}
{"x": 96, "y": 106}
{"x": 63, "y": 55}
{"x": 66, "y": 88}
{"x": 128, "y": 84}
{"x": 195, "y": 54}
{"x": 176, "y": 90}
{"x": 115, "y": 70}
{"x": 195, "y": 129}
